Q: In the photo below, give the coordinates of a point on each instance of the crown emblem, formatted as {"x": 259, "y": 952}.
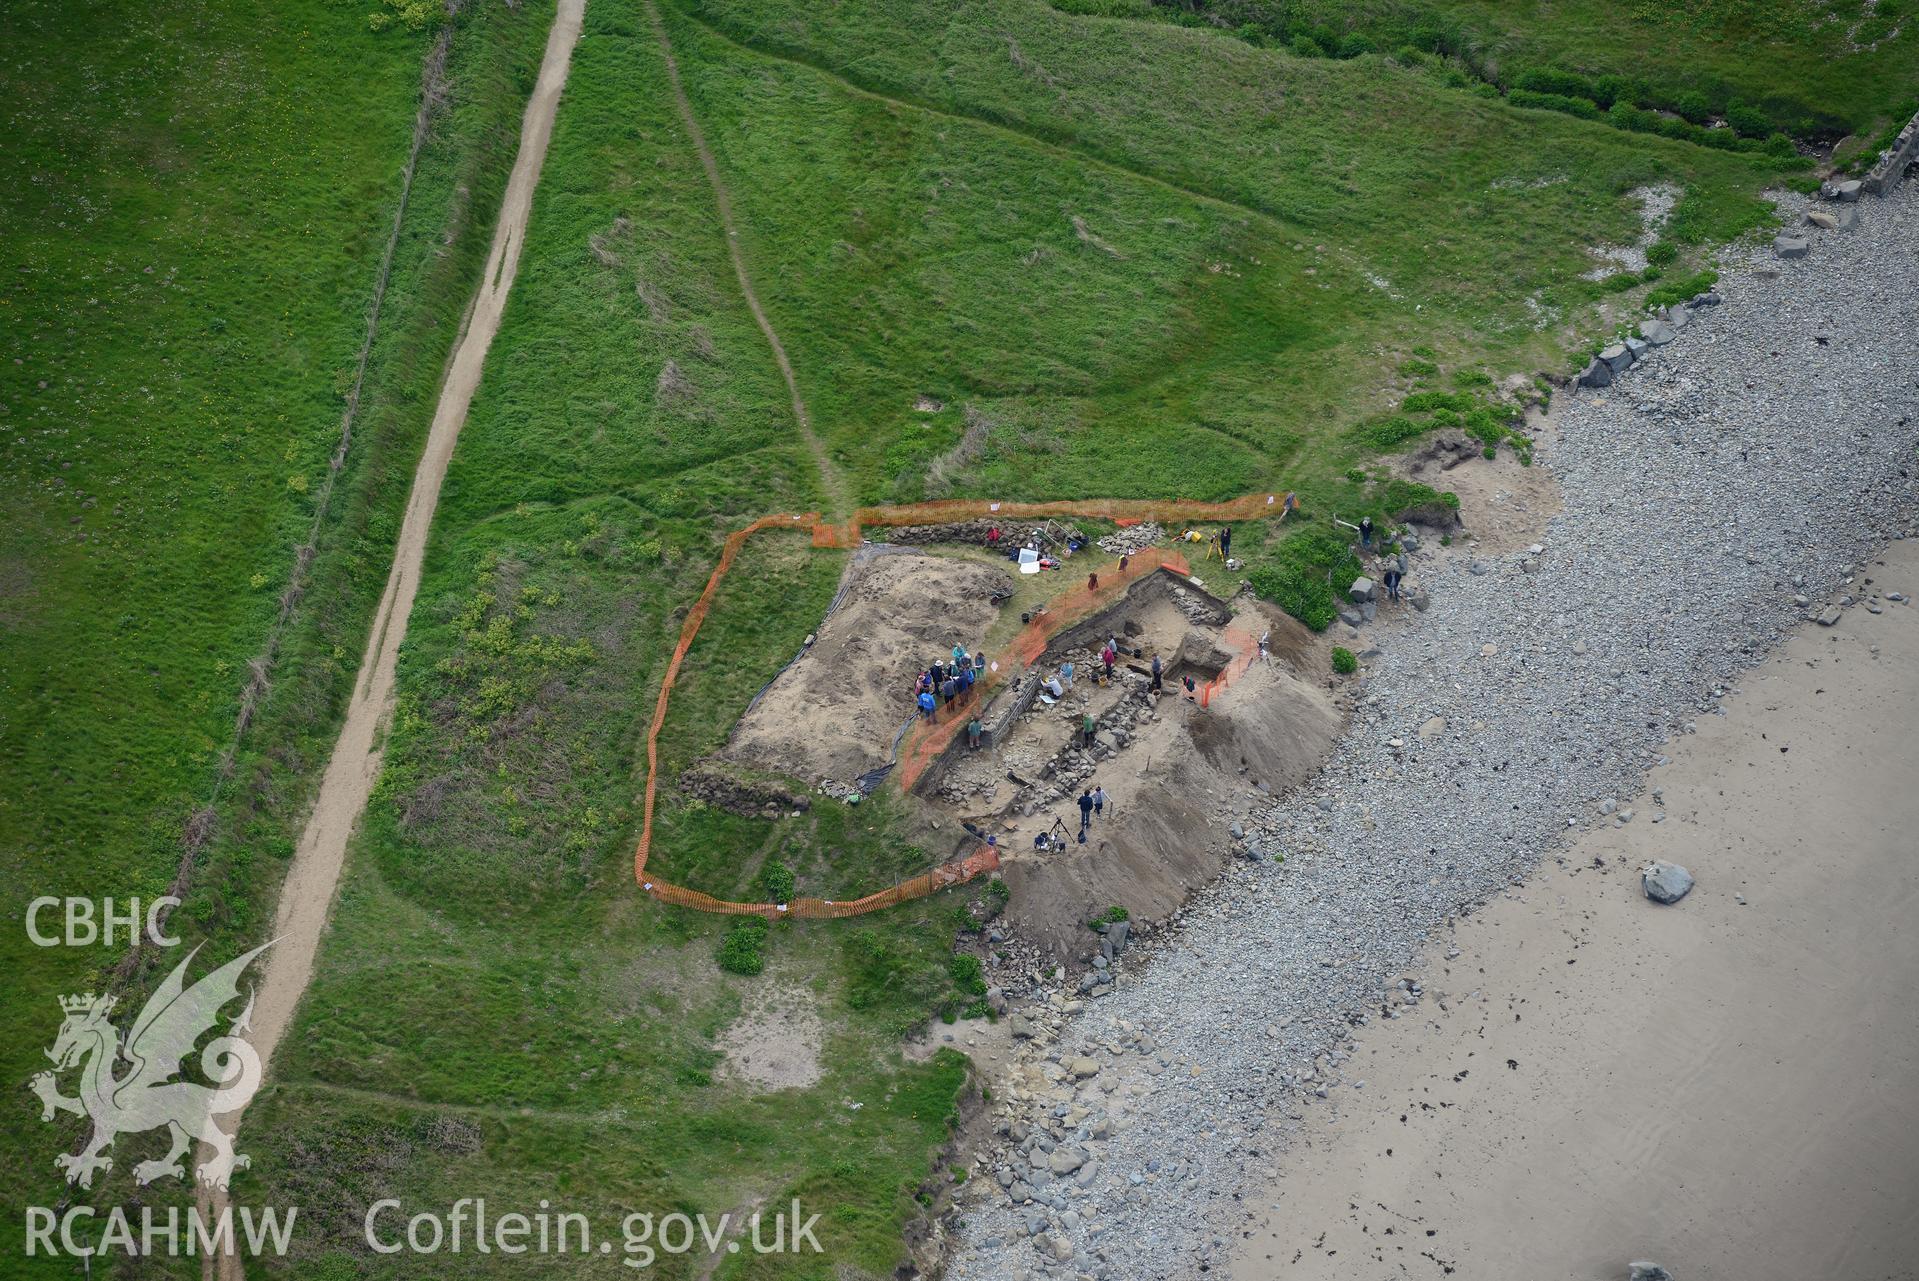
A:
{"x": 86, "y": 1001}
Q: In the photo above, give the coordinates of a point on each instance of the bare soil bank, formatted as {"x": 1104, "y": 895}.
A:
{"x": 833, "y": 714}
{"x": 1730, "y": 1089}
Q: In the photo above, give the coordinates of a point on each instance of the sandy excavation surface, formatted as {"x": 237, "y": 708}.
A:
{"x": 1729, "y": 1089}
{"x": 1183, "y": 776}
{"x": 832, "y": 715}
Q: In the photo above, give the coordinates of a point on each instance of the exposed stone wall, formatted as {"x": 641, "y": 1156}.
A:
{"x": 751, "y": 795}
{"x": 1892, "y": 167}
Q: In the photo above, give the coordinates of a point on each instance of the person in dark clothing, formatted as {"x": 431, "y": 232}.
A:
{"x": 1156, "y": 687}
{"x": 1392, "y": 577}
{"x": 972, "y": 734}
{"x": 926, "y": 704}
{"x": 1092, "y": 582}
{"x": 1085, "y": 811}
{"x": 1365, "y": 531}
{"x": 938, "y": 672}
{"x": 1225, "y": 541}
{"x": 949, "y": 690}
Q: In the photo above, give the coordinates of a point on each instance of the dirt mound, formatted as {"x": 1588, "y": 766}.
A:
{"x": 833, "y": 714}
{"x": 1177, "y": 776}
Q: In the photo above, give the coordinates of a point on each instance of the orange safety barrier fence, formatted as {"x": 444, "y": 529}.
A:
{"x": 928, "y": 741}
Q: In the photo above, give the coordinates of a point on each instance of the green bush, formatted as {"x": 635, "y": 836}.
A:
{"x": 1354, "y": 45}
{"x": 776, "y": 878}
{"x": 1553, "y": 81}
{"x": 1299, "y": 578}
{"x": 1345, "y": 663}
{"x": 967, "y": 974}
{"x": 740, "y": 948}
{"x": 1608, "y": 90}
{"x": 1750, "y": 121}
{"x": 1304, "y": 46}
{"x": 1584, "y": 108}
{"x": 998, "y": 894}
{"x": 1111, "y": 916}
{"x": 1694, "y": 106}
{"x": 1389, "y": 432}
{"x": 1662, "y": 252}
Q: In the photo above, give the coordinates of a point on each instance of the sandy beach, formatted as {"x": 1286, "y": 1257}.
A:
{"x": 1728, "y": 1086}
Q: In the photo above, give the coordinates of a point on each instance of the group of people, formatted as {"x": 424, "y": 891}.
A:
{"x": 947, "y": 681}
{"x": 1391, "y": 562}
{"x": 1092, "y": 804}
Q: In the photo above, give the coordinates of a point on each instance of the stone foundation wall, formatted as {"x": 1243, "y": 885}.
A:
{"x": 1905, "y": 149}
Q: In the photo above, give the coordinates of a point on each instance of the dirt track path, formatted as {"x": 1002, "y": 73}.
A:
{"x": 839, "y": 498}
{"x": 314, "y": 874}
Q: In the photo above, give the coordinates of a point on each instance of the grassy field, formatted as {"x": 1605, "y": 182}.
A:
{"x": 1148, "y": 259}
{"x": 497, "y": 1011}
{"x": 197, "y": 215}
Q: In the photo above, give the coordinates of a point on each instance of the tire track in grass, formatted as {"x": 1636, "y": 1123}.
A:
{"x": 839, "y": 497}
{"x": 314, "y": 873}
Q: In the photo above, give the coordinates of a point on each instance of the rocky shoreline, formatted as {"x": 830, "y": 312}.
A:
{"x": 1721, "y": 490}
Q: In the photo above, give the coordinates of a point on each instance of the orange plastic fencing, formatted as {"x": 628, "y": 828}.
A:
{"x": 930, "y": 739}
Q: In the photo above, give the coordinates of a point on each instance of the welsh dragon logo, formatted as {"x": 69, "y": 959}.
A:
{"x": 148, "y": 1096}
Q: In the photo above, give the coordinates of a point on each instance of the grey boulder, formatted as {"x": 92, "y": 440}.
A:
{"x": 1616, "y": 357}
{"x": 1597, "y": 374}
{"x": 1657, "y": 332}
{"x": 1791, "y": 246}
{"x": 1665, "y": 882}
{"x": 1644, "y": 1271}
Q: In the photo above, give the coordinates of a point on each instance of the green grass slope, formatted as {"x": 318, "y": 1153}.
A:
{"x": 197, "y": 202}
{"x": 497, "y": 1010}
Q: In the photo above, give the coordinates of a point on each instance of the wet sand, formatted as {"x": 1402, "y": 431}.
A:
{"x": 1730, "y": 1089}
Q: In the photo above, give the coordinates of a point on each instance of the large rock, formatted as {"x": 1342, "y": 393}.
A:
{"x": 1791, "y": 246}
{"x": 1679, "y": 317}
{"x": 1847, "y": 191}
{"x": 1822, "y": 218}
{"x": 1847, "y": 218}
{"x": 1362, "y": 590}
{"x": 1638, "y": 347}
{"x": 1644, "y": 1271}
{"x": 1597, "y": 374}
{"x": 1665, "y": 882}
{"x": 1616, "y": 357}
{"x": 1657, "y": 332}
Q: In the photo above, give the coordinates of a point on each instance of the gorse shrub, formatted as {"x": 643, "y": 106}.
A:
{"x": 1344, "y": 661}
{"x": 1751, "y": 122}
{"x": 1694, "y": 106}
{"x": 740, "y": 948}
{"x": 776, "y": 878}
{"x": 1552, "y": 80}
{"x": 1584, "y": 108}
{"x": 1300, "y": 576}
